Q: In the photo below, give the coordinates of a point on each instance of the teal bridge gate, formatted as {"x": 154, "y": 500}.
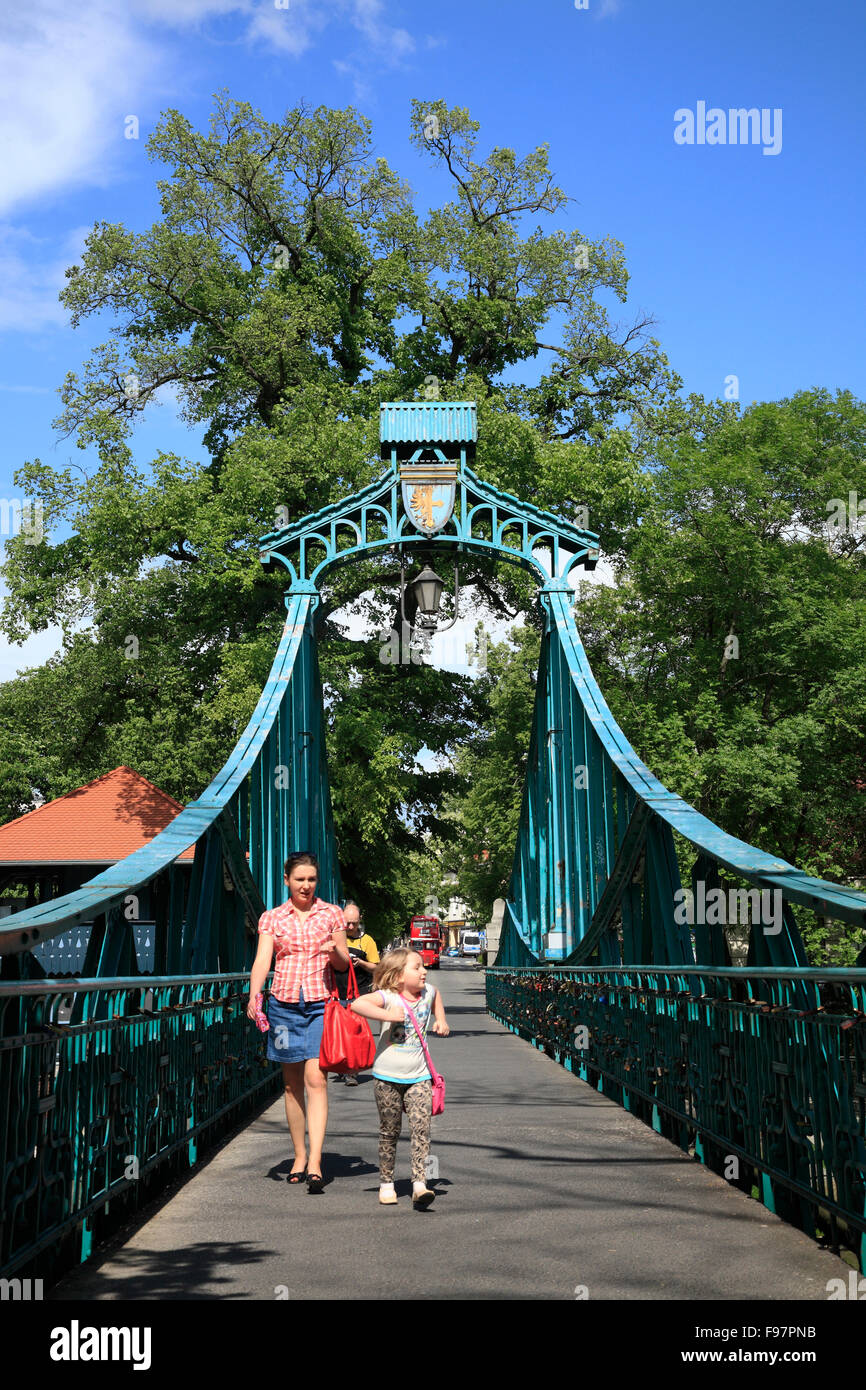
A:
{"x": 112, "y": 1081}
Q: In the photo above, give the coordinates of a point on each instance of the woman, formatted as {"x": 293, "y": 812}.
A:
{"x": 309, "y": 939}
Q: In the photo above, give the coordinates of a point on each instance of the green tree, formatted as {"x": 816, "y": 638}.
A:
{"x": 287, "y": 287}
{"x": 387, "y": 806}
{"x": 733, "y": 648}
{"x": 493, "y": 765}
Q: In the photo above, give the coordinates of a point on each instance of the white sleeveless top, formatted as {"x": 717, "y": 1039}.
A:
{"x": 399, "y": 1056}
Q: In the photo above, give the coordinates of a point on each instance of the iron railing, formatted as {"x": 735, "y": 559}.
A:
{"x": 110, "y": 1088}
{"x": 762, "y": 1076}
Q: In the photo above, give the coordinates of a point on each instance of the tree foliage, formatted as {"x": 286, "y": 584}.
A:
{"x": 733, "y": 648}
{"x": 288, "y": 285}
{"x": 493, "y": 765}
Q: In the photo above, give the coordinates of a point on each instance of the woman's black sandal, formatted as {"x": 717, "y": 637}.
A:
{"x": 315, "y": 1183}
{"x": 295, "y": 1178}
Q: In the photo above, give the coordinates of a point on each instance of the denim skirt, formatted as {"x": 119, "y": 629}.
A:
{"x": 296, "y": 1029}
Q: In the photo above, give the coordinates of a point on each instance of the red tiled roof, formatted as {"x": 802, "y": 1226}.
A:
{"x": 96, "y": 824}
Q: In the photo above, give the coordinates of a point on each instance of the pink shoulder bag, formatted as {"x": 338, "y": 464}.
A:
{"x": 438, "y": 1081}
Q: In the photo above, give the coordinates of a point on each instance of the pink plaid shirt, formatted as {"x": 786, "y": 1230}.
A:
{"x": 299, "y": 947}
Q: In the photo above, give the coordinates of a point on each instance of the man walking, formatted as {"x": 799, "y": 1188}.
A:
{"x": 365, "y": 956}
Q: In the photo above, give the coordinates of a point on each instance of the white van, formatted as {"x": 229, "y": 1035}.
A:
{"x": 471, "y": 945}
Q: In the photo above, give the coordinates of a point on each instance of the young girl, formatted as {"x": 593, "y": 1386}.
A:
{"x": 401, "y": 1079}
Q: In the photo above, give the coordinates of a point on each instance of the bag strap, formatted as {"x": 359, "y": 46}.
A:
{"x": 408, "y": 1007}
{"x": 351, "y": 984}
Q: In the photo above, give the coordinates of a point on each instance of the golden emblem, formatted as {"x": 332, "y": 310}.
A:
{"x": 422, "y": 504}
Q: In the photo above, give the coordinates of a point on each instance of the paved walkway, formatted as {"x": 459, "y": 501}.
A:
{"x": 544, "y": 1185}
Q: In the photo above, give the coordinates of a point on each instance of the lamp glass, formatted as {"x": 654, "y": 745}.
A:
{"x": 428, "y": 587}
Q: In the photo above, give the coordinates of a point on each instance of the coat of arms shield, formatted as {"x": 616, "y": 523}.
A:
{"x": 428, "y": 496}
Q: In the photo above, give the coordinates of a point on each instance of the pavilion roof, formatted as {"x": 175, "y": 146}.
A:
{"x": 99, "y": 823}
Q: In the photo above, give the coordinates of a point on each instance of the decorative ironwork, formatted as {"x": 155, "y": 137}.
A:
{"x": 270, "y": 797}
{"x": 761, "y": 1075}
{"x": 429, "y": 445}
{"x": 595, "y": 872}
{"x": 100, "y": 1111}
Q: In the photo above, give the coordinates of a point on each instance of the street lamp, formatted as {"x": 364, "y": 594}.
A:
{"x": 427, "y": 588}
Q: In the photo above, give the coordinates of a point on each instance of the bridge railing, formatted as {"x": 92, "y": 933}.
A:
{"x": 760, "y": 1074}
{"x": 100, "y": 1113}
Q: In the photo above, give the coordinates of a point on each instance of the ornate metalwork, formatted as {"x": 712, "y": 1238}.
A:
{"x": 483, "y": 519}
{"x": 101, "y": 1110}
{"x": 761, "y": 1075}
{"x": 271, "y": 796}
{"x": 595, "y": 871}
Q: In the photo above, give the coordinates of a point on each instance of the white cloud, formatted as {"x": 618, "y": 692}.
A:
{"x": 69, "y": 73}
{"x": 32, "y": 272}
{"x": 71, "y": 76}
{"x": 362, "y": 89}
{"x": 390, "y": 45}
{"x": 178, "y": 13}
{"x": 289, "y": 31}
{"x": 289, "y": 26}
{"x": 34, "y": 652}
{"x": 72, "y": 73}
{"x": 367, "y": 17}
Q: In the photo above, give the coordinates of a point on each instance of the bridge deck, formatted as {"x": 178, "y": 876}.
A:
{"x": 544, "y": 1185}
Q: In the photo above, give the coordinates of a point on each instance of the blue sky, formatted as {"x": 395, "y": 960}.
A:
{"x": 751, "y": 262}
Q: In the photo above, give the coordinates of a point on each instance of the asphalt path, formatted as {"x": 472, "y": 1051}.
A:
{"x": 545, "y": 1190}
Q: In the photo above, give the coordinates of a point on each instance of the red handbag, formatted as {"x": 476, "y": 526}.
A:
{"x": 347, "y": 1042}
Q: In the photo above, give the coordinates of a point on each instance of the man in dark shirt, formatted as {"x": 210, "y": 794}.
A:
{"x": 365, "y": 955}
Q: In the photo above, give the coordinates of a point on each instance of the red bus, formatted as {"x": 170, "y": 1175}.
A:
{"x": 425, "y": 937}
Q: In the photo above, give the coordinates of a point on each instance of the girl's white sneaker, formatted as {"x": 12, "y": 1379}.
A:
{"x": 422, "y": 1195}
{"x": 387, "y": 1195}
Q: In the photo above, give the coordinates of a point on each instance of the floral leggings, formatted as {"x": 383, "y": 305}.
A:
{"x": 392, "y": 1099}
